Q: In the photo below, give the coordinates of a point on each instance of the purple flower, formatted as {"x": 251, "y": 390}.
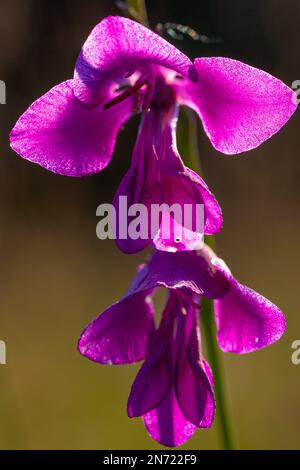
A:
{"x": 125, "y": 68}
{"x": 173, "y": 391}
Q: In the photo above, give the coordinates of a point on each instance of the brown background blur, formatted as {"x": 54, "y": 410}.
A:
{"x": 56, "y": 275}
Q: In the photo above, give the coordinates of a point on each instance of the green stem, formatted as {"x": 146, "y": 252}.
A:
{"x": 222, "y": 417}
{"x": 187, "y": 132}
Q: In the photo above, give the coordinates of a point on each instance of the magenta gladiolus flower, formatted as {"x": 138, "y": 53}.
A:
{"x": 173, "y": 391}
{"x": 125, "y": 68}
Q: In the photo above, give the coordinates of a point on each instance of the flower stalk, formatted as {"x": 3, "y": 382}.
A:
{"x": 213, "y": 355}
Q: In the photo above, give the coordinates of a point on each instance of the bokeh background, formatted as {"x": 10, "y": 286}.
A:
{"x": 56, "y": 275}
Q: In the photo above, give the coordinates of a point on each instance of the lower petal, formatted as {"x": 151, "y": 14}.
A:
{"x": 192, "y": 384}
{"x": 188, "y": 191}
{"x": 166, "y": 423}
{"x": 152, "y": 380}
{"x": 179, "y": 207}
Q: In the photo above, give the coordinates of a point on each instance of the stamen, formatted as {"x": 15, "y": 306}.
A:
{"x": 148, "y": 94}
{"x": 128, "y": 92}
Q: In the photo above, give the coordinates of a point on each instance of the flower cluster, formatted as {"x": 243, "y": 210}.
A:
{"x": 124, "y": 68}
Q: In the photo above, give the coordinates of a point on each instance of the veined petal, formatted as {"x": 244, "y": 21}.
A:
{"x": 186, "y": 188}
{"x": 246, "y": 320}
{"x": 140, "y": 185}
{"x": 120, "y": 335}
{"x": 240, "y": 106}
{"x": 117, "y": 46}
{"x": 150, "y": 385}
{"x": 154, "y": 379}
{"x": 173, "y": 390}
{"x": 166, "y": 423}
{"x": 61, "y": 135}
{"x": 195, "y": 271}
{"x": 158, "y": 180}
{"x": 192, "y": 384}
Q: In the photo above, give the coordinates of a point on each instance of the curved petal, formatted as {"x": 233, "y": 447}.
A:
{"x": 179, "y": 208}
{"x": 192, "y": 384}
{"x": 166, "y": 423}
{"x": 120, "y": 335}
{"x": 155, "y": 376}
{"x": 139, "y": 186}
{"x": 117, "y": 46}
{"x": 61, "y": 135}
{"x": 240, "y": 106}
{"x": 150, "y": 385}
{"x": 194, "y": 270}
{"x": 186, "y": 188}
{"x": 246, "y": 320}
{"x": 154, "y": 379}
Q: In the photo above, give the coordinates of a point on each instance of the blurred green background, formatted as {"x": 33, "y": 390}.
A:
{"x": 56, "y": 275}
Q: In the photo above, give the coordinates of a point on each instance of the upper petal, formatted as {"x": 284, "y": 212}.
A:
{"x": 120, "y": 335}
{"x": 246, "y": 320}
{"x": 117, "y": 46}
{"x": 194, "y": 270}
{"x": 240, "y": 106}
{"x": 61, "y": 135}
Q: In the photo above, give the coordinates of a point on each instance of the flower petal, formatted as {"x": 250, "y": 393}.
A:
{"x": 158, "y": 179}
{"x": 155, "y": 377}
{"x": 192, "y": 384}
{"x": 166, "y": 423}
{"x": 61, "y": 135}
{"x": 139, "y": 186}
{"x": 150, "y": 385}
{"x": 117, "y": 46}
{"x": 120, "y": 335}
{"x": 186, "y": 188}
{"x": 193, "y": 270}
{"x": 246, "y": 320}
{"x": 240, "y": 106}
